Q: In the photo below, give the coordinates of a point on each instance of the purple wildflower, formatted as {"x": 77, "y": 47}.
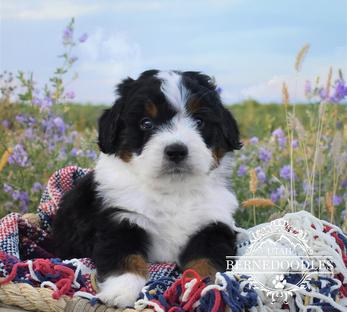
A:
{"x": 308, "y": 88}
{"x": 37, "y": 101}
{"x": 295, "y": 143}
{"x": 47, "y": 124}
{"x": 282, "y": 141}
{"x": 37, "y": 187}
{"x": 21, "y": 118}
{"x": 278, "y": 194}
{"x": 19, "y": 156}
{"x": 47, "y": 102}
{"x": 70, "y": 95}
{"x": 254, "y": 140}
{"x": 242, "y": 171}
{"x": 260, "y": 174}
{"x": 337, "y": 200}
{"x": 62, "y": 153}
{"x": 59, "y": 124}
{"x": 280, "y": 136}
{"x": 31, "y": 121}
{"x": 15, "y": 195}
{"x": 5, "y": 123}
{"x": 344, "y": 183}
{"x": 286, "y": 172}
{"x": 51, "y": 146}
{"x": 29, "y": 133}
{"x": 83, "y": 38}
{"x": 340, "y": 91}
{"x": 8, "y": 188}
{"x": 278, "y": 133}
{"x": 67, "y": 36}
{"x": 74, "y": 152}
{"x": 264, "y": 154}
{"x": 23, "y": 201}
{"x": 322, "y": 94}
{"x": 90, "y": 154}
{"x": 71, "y": 137}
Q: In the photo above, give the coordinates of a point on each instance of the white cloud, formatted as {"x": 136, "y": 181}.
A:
{"x": 106, "y": 58}
{"x": 271, "y": 90}
{"x": 45, "y": 10}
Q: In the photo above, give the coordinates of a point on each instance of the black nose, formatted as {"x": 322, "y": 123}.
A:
{"x": 176, "y": 152}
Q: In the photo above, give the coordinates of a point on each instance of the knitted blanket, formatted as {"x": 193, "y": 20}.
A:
{"x": 26, "y": 255}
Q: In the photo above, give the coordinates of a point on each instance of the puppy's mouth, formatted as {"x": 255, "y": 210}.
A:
{"x": 170, "y": 169}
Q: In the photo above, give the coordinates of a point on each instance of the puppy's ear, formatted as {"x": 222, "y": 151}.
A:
{"x": 110, "y": 123}
{"x": 109, "y": 128}
{"x": 202, "y": 79}
{"x": 124, "y": 88}
{"x": 231, "y": 131}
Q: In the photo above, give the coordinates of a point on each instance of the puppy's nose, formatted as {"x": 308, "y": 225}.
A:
{"x": 176, "y": 152}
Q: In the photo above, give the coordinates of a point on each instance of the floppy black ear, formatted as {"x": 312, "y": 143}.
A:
{"x": 109, "y": 129}
{"x": 110, "y": 124}
{"x": 231, "y": 131}
{"x": 124, "y": 88}
{"x": 202, "y": 79}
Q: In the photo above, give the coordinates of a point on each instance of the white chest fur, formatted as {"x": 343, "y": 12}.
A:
{"x": 169, "y": 212}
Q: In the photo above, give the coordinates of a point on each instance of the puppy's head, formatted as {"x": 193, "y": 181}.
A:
{"x": 168, "y": 124}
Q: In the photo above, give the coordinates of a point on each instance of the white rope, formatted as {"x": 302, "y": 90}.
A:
{"x": 143, "y": 304}
{"x": 77, "y": 263}
{"x": 31, "y": 271}
{"x": 189, "y": 287}
{"x": 50, "y": 284}
{"x": 84, "y": 294}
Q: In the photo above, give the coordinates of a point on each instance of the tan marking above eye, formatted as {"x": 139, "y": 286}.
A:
{"x": 193, "y": 105}
{"x": 151, "y": 109}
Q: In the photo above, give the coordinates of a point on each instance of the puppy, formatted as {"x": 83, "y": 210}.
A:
{"x": 159, "y": 191}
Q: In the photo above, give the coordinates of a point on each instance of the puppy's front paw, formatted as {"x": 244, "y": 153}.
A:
{"x": 122, "y": 290}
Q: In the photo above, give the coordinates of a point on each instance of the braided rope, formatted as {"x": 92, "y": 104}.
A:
{"x": 39, "y": 299}
{"x": 31, "y": 298}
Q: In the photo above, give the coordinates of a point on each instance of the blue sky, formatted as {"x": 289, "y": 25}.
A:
{"x": 249, "y": 46}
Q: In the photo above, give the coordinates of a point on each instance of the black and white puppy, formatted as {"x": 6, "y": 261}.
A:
{"x": 159, "y": 191}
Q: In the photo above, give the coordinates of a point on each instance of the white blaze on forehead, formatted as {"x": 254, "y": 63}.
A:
{"x": 173, "y": 89}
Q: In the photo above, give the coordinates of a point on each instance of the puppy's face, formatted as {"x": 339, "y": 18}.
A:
{"x": 168, "y": 124}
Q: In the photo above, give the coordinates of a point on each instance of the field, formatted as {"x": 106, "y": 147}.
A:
{"x": 40, "y": 148}
{"x": 294, "y": 156}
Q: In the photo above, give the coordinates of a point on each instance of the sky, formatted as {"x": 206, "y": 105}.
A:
{"x": 248, "y": 46}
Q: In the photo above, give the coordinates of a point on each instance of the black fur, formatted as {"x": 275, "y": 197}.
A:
{"x": 214, "y": 242}
{"x": 84, "y": 227}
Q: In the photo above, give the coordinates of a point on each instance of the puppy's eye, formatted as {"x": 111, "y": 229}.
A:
{"x": 199, "y": 123}
{"x": 146, "y": 124}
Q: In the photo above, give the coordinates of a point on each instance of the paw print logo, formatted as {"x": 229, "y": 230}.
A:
{"x": 279, "y": 281}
